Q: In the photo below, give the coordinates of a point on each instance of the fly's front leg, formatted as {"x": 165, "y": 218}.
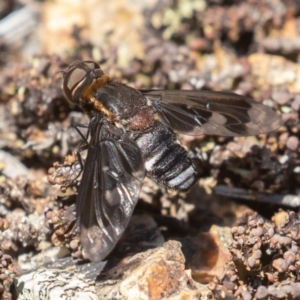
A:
{"x": 67, "y": 174}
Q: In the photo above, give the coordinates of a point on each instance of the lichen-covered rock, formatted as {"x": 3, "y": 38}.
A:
{"x": 158, "y": 273}
{"x": 155, "y": 274}
{"x": 54, "y": 284}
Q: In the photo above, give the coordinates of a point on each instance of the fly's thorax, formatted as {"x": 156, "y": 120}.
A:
{"x": 116, "y": 101}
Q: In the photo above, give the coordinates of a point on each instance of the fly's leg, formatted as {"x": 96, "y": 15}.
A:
{"x": 82, "y": 146}
{"x": 66, "y": 175}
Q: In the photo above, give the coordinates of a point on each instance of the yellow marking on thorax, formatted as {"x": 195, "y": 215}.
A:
{"x": 99, "y": 107}
{"x": 87, "y": 95}
{"x": 94, "y": 86}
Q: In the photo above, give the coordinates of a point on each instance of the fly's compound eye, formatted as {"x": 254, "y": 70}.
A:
{"x": 78, "y": 75}
{"x": 72, "y": 78}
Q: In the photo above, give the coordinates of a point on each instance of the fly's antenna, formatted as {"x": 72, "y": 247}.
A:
{"x": 75, "y": 63}
{"x": 60, "y": 71}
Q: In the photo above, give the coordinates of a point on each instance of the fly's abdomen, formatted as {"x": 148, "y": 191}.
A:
{"x": 166, "y": 161}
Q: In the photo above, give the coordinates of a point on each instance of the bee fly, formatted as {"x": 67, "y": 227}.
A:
{"x": 132, "y": 134}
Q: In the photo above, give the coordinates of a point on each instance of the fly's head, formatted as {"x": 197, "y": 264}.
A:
{"x": 81, "y": 80}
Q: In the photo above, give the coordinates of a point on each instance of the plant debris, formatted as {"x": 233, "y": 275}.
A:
{"x": 265, "y": 259}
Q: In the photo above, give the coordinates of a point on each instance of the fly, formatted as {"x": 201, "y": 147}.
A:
{"x": 131, "y": 134}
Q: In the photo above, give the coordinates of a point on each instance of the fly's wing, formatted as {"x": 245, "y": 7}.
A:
{"x": 213, "y": 113}
{"x": 108, "y": 193}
